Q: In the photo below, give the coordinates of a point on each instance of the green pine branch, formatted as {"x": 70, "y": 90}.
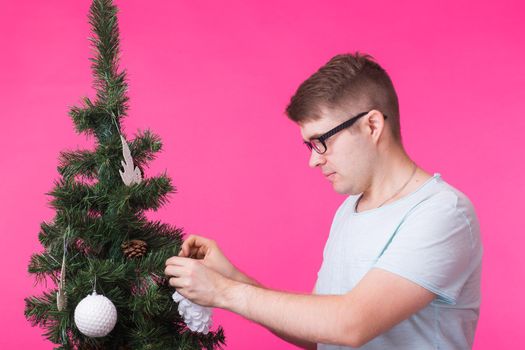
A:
{"x": 78, "y": 163}
{"x": 144, "y": 147}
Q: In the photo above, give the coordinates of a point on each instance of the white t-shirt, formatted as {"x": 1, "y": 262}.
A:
{"x": 430, "y": 237}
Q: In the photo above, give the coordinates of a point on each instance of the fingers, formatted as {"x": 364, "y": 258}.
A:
{"x": 180, "y": 267}
{"x": 186, "y": 248}
{"x": 176, "y": 282}
{"x": 179, "y": 261}
{"x": 172, "y": 271}
{"x": 181, "y": 271}
{"x": 174, "y": 274}
{"x": 195, "y": 246}
{"x": 203, "y": 250}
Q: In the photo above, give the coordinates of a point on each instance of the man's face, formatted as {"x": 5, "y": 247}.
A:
{"x": 349, "y": 153}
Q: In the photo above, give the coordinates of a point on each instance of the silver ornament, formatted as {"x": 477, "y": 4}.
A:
{"x": 131, "y": 174}
{"x": 61, "y": 294}
{"x": 95, "y": 315}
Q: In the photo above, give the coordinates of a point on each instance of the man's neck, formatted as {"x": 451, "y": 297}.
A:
{"x": 389, "y": 178}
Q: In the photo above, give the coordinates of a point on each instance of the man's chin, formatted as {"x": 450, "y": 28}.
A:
{"x": 339, "y": 189}
{"x": 344, "y": 190}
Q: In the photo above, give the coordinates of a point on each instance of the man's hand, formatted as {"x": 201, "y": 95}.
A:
{"x": 195, "y": 281}
{"x": 209, "y": 252}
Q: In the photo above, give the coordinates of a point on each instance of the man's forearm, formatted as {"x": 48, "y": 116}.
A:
{"x": 311, "y": 318}
{"x": 243, "y": 278}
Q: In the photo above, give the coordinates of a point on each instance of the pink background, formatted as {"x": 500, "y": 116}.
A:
{"x": 212, "y": 78}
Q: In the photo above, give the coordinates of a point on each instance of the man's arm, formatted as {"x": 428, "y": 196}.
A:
{"x": 241, "y": 277}
{"x": 379, "y": 301}
{"x": 209, "y": 252}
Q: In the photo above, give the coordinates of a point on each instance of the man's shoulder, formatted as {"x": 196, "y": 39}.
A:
{"x": 445, "y": 206}
{"x": 445, "y": 194}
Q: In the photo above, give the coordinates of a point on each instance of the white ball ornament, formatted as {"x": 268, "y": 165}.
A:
{"x": 95, "y": 315}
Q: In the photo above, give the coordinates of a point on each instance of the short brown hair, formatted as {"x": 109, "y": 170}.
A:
{"x": 347, "y": 79}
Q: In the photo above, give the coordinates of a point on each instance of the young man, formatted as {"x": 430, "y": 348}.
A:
{"x": 402, "y": 264}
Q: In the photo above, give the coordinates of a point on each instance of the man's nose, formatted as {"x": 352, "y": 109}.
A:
{"x": 315, "y": 159}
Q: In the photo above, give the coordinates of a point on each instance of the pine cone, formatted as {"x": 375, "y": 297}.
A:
{"x": 134, "y": 248}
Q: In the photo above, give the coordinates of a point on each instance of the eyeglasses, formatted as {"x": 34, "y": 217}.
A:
{"x": 318, "y": 143}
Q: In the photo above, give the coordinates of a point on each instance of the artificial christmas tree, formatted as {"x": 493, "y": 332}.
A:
{"x": 100, "y": 240}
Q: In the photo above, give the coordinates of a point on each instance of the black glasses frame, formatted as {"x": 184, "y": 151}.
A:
{"x": 321, "y": 139}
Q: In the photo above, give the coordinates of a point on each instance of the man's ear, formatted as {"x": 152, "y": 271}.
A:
{"x": 374, "y": 124}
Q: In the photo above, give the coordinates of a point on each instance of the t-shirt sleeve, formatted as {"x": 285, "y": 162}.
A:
{"x": 432, "y": 247}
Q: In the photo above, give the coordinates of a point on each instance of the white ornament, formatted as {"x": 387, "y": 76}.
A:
{"x": 196, "y": 317}
{"x": 131, "y": 174}
{"x": 95, "y": 315}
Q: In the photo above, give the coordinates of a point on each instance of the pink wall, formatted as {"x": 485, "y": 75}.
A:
{"x": 212, "y": 78}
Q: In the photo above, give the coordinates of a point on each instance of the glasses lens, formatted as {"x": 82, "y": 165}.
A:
{"x": 319, "y": 146}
